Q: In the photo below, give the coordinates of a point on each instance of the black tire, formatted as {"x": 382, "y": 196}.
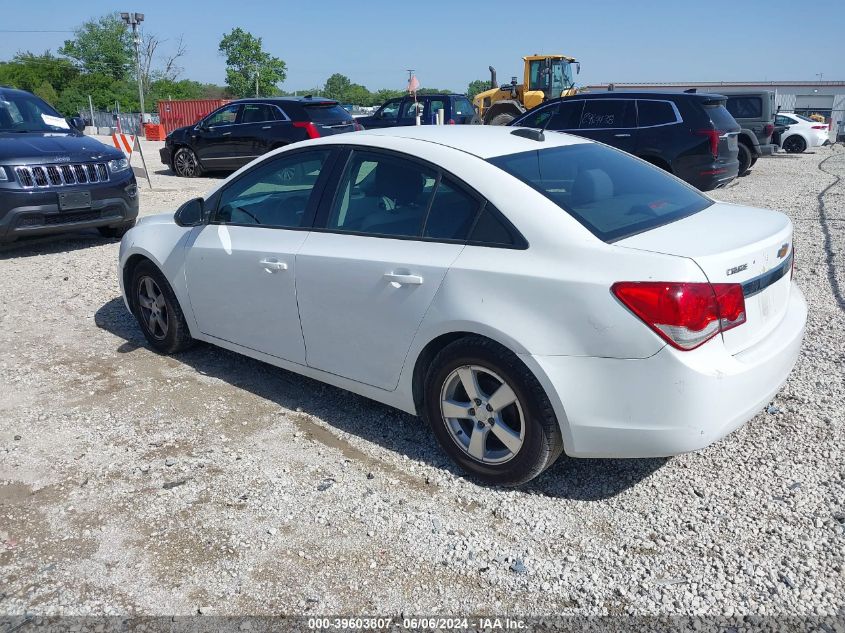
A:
{"x": 542, "y": 442}
{"x": 501, "y": 119}
{"x": 794, "y": 144}
{"x": 116, "y": 231}
{"x": 186, "y": 164}
{"x": 173, "y": 338}
{"x": 754, "y": 159}
{"x": 744, "y": 157}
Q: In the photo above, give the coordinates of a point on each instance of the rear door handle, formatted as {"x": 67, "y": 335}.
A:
{"x": 622, "y": 135}
{"x": 225, "y": 134}
{"x": 266, "y": 127}
{"x": 402, "y": 279}
{"x": 273, "y": 265}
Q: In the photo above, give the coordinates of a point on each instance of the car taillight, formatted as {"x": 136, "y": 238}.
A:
{"x": 768, "y": 129}
{"x": 820, "y": 127}
{"x": 450, "y": 122}
{"x": 357, "y": 126}
{"x": 713, "y": 137}
{"x": 310, "y": 129}
{"x": 685, "y": 315}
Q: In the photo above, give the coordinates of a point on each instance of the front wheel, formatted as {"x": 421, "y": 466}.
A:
{"x": 489, "y": 413}
{"x": 186, "y": 163}
{"x": 794, "y": 144}
{"x": 157, "y": 310}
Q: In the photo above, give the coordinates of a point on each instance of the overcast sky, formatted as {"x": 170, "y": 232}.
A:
{"x": 452, "y": 43}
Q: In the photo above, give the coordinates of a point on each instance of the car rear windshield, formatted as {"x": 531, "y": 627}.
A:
{"x": 722, "y": 119}
{"x": 327, "y": 113}
{"x": 611, "y": 193}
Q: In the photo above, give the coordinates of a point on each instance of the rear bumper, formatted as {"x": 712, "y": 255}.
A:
{"x": 36, "y": 212}
{"x": 708, "y": 175}
{"x": 768, "y": 150}
{"x": 672, "y": 402}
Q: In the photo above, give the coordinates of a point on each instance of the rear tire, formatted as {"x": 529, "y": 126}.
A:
{"x": 502, "y": 119}
{"x": 116, "y": 231}
{"x": 531, "y": 435}
{"x": 794, "y": 144}
{"x": 157, "y": 310}
{"x": 744, "y": 157}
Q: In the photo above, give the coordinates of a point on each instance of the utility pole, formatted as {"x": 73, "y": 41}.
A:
{"x": 133, "y": 20}
{"x": 256, "y": 80}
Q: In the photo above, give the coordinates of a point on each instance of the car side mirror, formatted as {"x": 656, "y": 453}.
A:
{"x": 191, "y": 213}
{"x": 77, "y": 123}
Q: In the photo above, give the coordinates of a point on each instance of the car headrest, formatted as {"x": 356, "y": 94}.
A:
{"x": 401, "y": 183}
{"x": 591, "y": 185}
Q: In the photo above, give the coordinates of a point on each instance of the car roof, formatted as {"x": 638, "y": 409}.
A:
{"x": 284, "y": 100}
{"x": 483, "y": 141}
{"x": 610, "y": 94}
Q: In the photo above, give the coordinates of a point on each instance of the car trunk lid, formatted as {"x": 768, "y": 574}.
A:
{"x": 734, "y": 244}
{"x": 329, "y": 117}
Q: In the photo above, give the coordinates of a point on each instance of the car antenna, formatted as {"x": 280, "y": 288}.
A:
{"x": 531, "y": 134}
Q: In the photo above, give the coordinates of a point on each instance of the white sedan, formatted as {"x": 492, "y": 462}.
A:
{"x": 801, "y": 133}
{"x": 526, "y": 294}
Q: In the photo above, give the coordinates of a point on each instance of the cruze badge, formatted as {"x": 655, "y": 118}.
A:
{"x": 783, "y": 250}
{"x": 737, "y": 269}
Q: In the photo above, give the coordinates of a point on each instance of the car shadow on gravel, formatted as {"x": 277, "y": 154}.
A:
{"x": 51, "y": 244}
{"x": 577, "y": 479}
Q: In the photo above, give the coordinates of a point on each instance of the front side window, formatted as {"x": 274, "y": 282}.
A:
{"x": 258, "y": 113}
{"x": 382, "y": 195}
{"x": 651, "y": 113}
{"x": 564, "y": 115}
{"x": 410, "y": 109}
{"x": 224, "y": 116}
{"x": 607, "y": 114}
{"x": 463, "y": 107}
{"x": 433, "y": 106}
{"x": 611, "y": 193}
{"x": 390, "y": 110}
{"x": 275, "y": 195}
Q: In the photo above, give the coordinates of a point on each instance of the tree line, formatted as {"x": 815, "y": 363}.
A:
{"x": 99, "y": 60}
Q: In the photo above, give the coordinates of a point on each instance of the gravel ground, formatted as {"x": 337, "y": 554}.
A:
{"x": 132, "y": 483}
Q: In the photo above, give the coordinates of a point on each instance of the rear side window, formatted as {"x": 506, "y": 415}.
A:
{"x": 745, "y": 107}
{"x": 258, "y": 113}
{"x": 463, "y": 107}
{"x": 607, "y": 113}
{"x": 452, "y": 213}
{"x": 612, "y": 194}
{"x": 331, "y": 113}
{"x": 651, "y": 113}
{"x": 491, "y": 229}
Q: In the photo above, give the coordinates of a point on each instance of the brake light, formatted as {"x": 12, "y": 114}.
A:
{"x": 820, "y": 127}
{"x": 310, "y": 129}
{"x": 357, "y": 126}
{"x": 685, "y": 315}
{"x": 713, "y": 137}
{"x": 450, "y": 122}
{"x": 768, "y": 129}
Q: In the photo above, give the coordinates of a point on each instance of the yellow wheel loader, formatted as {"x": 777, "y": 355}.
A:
{"x": 546, "y": 77}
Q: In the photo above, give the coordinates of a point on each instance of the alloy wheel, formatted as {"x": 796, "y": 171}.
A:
{"x": 483, "y": 414}
{"x": 186, "y": 163}
{"x": 153, "y": 307}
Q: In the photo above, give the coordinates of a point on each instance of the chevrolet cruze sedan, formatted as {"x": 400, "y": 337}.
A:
{"x": 526, "y": 294}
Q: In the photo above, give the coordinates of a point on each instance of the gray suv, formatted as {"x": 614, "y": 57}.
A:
{"x": 755, "y": 113}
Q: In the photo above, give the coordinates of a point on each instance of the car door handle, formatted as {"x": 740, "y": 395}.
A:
{"x": 273, "y": 265}
{"x": 225, "y": 134}
{"x": 622, "y": 135}
{"x": 266, "y": 127}
{"x": 403, "y": 279}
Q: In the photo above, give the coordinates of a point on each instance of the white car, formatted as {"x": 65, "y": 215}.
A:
{"x": 525, "y": 294}
{"x": 802, "y": 133}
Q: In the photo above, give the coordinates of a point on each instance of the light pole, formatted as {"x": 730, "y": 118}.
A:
{"x": 133, "y": 20}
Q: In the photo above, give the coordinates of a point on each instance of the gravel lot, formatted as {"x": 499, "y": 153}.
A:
{"x": 132, "y": 483}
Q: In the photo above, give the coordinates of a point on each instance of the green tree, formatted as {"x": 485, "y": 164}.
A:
{"x": 474, "y": 87}
{"x": 102, "y": 45}
{"x": 337, "y": 87}
{"x": 244, "y": 57}
{"x": 28, "y": 71}
{"x": 47, "y": 92}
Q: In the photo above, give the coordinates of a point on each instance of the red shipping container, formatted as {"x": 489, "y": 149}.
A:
{"x": 175, "y": 114}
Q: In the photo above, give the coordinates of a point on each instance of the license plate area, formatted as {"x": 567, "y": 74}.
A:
{"x": 74, "y": 200}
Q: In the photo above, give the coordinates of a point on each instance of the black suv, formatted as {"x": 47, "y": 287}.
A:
{"x": 691, "y": 135}
{"x": 55, "y": 179}
{"x": 457, "y": 109}
{"x": 242, "y": 130}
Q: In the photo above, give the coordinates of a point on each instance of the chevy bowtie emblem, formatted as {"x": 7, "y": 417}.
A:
{"x": 783, "y": 250}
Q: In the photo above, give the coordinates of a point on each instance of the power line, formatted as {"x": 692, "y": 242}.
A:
{"x": 34, "y": 31}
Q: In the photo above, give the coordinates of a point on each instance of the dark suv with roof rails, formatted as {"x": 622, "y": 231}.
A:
{"x": 457, "y": 110}
{"x": 691, "y": 135}
{"x": 54, "y": 179}
{"x": 242, "y": 130}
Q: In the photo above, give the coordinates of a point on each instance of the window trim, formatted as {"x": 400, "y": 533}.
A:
{"x": 208, "y": 116}
{"x": 314, "y": 200}
{"x": 320, "y": 221}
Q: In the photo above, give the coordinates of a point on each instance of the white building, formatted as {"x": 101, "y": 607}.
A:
{"x": 802, "y": 97}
